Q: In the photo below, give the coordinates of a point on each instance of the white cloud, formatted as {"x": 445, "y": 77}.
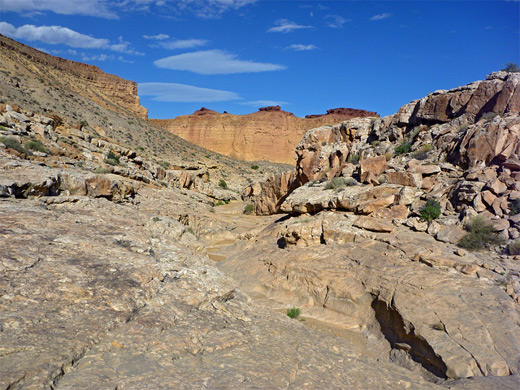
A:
{"x": 96, "y": 57}
{"x": 181, "y": 44}
{"x": 380, "y": 16}
{"x": 285, "y": 26}
{"x": 263, "y": 103}
{"x": 53, "y": 35}
{"x": 214, "y": 62}
{"x": 211, "y": 9}
{"x": 56, "y": 35}
{"x": 158, "y": 37}
{"x": 207, "y": 9}
{"x": 97, "y": 8}
{"x": 301, "y": 47}
{"x": 182, "y": 93}
{"x": 336, "y": 21}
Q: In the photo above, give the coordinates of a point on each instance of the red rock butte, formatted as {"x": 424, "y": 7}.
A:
{"x": 270, "y": 134}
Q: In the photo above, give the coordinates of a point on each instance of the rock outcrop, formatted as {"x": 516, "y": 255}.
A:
{"x": 270, "y": 134}
{"x": 475, "y": 129}
{"x": 108, "y": 90}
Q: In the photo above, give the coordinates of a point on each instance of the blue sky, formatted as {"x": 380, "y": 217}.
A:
{"x": 307, "y": 56}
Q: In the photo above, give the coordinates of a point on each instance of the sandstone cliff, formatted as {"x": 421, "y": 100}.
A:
{"x": 270, "y": 134}
{"x": 107, "y": 90}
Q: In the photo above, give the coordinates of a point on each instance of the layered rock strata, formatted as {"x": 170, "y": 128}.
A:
{"x": 270, "y": 134}
{"x": 108, "y": 90}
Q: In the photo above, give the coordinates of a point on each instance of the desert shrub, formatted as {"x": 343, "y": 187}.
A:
{"x": 481, "y": 234}
{"x": 375, "y": 143}
{"x": 514, "y": 248}
{"x": 353, "y": 158}
{"x": 293, "y": 312}
{"x": 254, "y": 166}
{"x": 422, "y": 152}
{"x": 404, "y": 148}
{"x": 101, "y": 170}
{"x": 164, "y": 164}
{"x": 112, "y": 159}
{"x": 249, "y": 208}
{"x": 511, "y": 68}
{"x": 336, "y": 183}
{"x": 221, "y": 202}
{"x": 222, "y": 184}
{"x": 83, "y": 123}
{"x": 515, "y": 206}
{"x": 36, "y": 145}
{"x": 489, "y": 116}
{"x": 430, "y": 211}
{"x": 156, "y": 219}
{"x": 12, "y": 143}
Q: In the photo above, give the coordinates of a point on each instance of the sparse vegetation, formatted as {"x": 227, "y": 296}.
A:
{"x": 164, "y": 164}
{"x": 12, "y": 143}
{"x": 293, "y": 312}
{"x": 222, "y": 184}
{"x": 404, "y": 148}
{"x": 36, "y": 145}
{"x": 353, "y": 158}
{"x": 422, "y": 152}
{"x": 489, "y": 116}
{"x": 430, "y": 211}
{"x": 83, "y": 123}
{"x": 511, "y": 68}
{"x": 336, "y": 183}
{"x": 514, "y": 248}
{"x": 102, "y": 171}
{"x": 156, "y": 219}
{"x": 515, "y": 206}
{"x": 221, "y": 202}
{"x": 112, "y": 159}
{"x": 254, "y": 166}
{"x": 249, "y": 209}
{"x": 481, "y": 234}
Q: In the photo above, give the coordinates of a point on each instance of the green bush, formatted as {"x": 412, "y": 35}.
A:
{"x": 112, "y": 159}
{"x": 222, "y": 184}
{"x": 37, "y": 146}
{"x": 481, "y": 234}
{"x": 515, "y": 206}
{"x": 430, "y": 211}
{"x": 511, "y": 68}
{"x": 514, "y": 248}
{"x": 336, "y": 183}
{"x": 404, "y": 148}
{"x": 353, "y": 158}
{"x": 101, "y": 170}
{"x": 422, "y": 152}
{"x": 12, "y": 143}
{"x": 293, "y": 312}
{"x": 249, "y": 208}
{"x": 254, "y": 166}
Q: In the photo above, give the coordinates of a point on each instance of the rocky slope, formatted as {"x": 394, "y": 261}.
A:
{"x": 107, "y": 90}
{"x": 270, "y": 134}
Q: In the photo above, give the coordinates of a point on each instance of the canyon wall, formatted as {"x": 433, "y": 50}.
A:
{"x": 105, "y": 89}
{"x": 270, "y": 134}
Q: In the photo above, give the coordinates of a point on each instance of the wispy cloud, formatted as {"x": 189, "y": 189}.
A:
{"x": 98, "y": 8}
{"x": 211, "y": 9}
{"x": 336, "y": 21}
{"x": 214, "y": 62}
{"x": 263, "y": 103}
{"x": 380, "y": 16}
{"x": 96, "y": 57}
{"x": 182, "y": 93}
{"x": 301, "y": 47}
{"x": 181, "y": 44}
{"x": 207, "y": 9}
{"x": 285, "y": 26}
{"x": 56, "y": 35}
{"x": 158, "y": 37}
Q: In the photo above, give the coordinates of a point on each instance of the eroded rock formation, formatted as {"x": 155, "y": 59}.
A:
{"x": 108, "y": 90}
{"x": 270, "y": 134}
